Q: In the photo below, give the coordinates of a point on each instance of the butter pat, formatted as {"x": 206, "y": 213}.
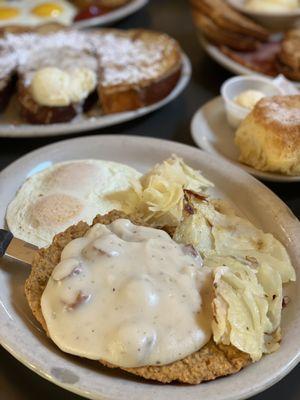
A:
{"x": 272, "y": 5}
{"x": 248, "y": 98}
{"x": 54, "y": 87}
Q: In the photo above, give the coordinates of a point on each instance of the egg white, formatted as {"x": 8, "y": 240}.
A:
{"x": 64, "y": 194}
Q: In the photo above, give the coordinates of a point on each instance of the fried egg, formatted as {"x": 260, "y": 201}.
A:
{"x": 64, "y": 194}
{"x": 33, "y": 13}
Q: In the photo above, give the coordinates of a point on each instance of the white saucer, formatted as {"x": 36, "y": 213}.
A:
{"x": 11, "y": 124}
{"x": 23, "y": 337}
{"x": 212, "y": 133}
{"x": 112, "y": 16}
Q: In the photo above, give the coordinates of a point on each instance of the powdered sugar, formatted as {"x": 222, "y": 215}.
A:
{"x": 8, "y": 63}
{"x": 285, "y": 114}
{"x": 128, "y": 61}
{"x": 123, "y": 59}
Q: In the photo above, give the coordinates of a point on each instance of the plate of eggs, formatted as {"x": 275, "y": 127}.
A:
{"x": 80, "y": 13}
{"x": 34, "y": 13}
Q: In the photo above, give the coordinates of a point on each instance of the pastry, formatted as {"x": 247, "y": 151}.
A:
{"x": 269, "y": 137}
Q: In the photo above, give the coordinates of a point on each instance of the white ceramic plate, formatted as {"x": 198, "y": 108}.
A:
{"x": 23, "y": 338}
{"x": 275, "y": 21}
{"x": 11, "y": 125}
{"x": 227, "y": 62}
{"x": 112, "y": 16}
{"x": 211, "y": 131}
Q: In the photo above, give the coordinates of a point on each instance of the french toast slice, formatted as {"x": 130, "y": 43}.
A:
{"x": 208, "y": 363}
{"x": 138, "y": 68}
{"x": 64, "y": 50}
{"x": 221, "y": 37}
{"x": 225, "y": 17}
{"x": 134, "y": 68}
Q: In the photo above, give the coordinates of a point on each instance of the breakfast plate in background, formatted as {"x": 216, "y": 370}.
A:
{"x": 20, "y": 334}
{"x": 241, "y": 44}
{"x": 212, "y": 133}
{"x": 112, "y": 16}
{"x": 11, "y": 124}
{"x": 275, "y": 15}
{"x": 225, "y": 61}
{"x": 76, "y": 13}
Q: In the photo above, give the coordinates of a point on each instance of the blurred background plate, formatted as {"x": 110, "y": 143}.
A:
{"x": 212, "y": 133}
{"x": 226, "y": 62}
{"x": 11, "y": 125}
{"x": 112, "y": 16}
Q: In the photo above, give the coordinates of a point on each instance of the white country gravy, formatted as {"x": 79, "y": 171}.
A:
{"x": 128, "y": 295}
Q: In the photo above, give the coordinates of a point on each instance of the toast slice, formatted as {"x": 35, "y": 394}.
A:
{"x": 210, "y": 362}
{"x": 63, "y": 50}
{"x": 137, "y": 68}
{"x": 134, "y": 68}
{"x": 221, "y": 37}
{"x": 226, "y": 18}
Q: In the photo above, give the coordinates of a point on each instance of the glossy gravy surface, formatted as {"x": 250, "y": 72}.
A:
{"x": 128, "y": 295}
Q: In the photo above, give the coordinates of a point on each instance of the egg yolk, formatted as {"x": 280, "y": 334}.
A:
{"x": 8, "y": 12}
{"x": 47, "y": 10}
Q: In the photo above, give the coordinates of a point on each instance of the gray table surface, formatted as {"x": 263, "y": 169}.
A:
{"x": 173, "y": 123}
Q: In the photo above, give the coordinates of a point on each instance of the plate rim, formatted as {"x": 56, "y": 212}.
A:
{"x": 198, "y": 140}
{"x": 229, "y": 64}
{"x": 294, "y": 225}
{"x": 93, "y": 123}
{"x": 113, "y": 16}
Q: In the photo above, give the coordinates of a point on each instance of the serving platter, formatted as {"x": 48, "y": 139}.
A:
{"x": 212, "y": 133}
{"x": 112, "y": 16}
{"x": 11, "y": 125}
{"x": 22, "y": 336}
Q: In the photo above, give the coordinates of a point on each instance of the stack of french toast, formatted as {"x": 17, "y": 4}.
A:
{"x": 58, "y": 74}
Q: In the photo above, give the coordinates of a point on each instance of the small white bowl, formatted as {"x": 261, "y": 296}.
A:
{"x": 276, "y": 21}
{"x": 234, "y": 86}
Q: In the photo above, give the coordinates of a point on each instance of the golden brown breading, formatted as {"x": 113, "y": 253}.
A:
{"x": 210, "y": 362}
